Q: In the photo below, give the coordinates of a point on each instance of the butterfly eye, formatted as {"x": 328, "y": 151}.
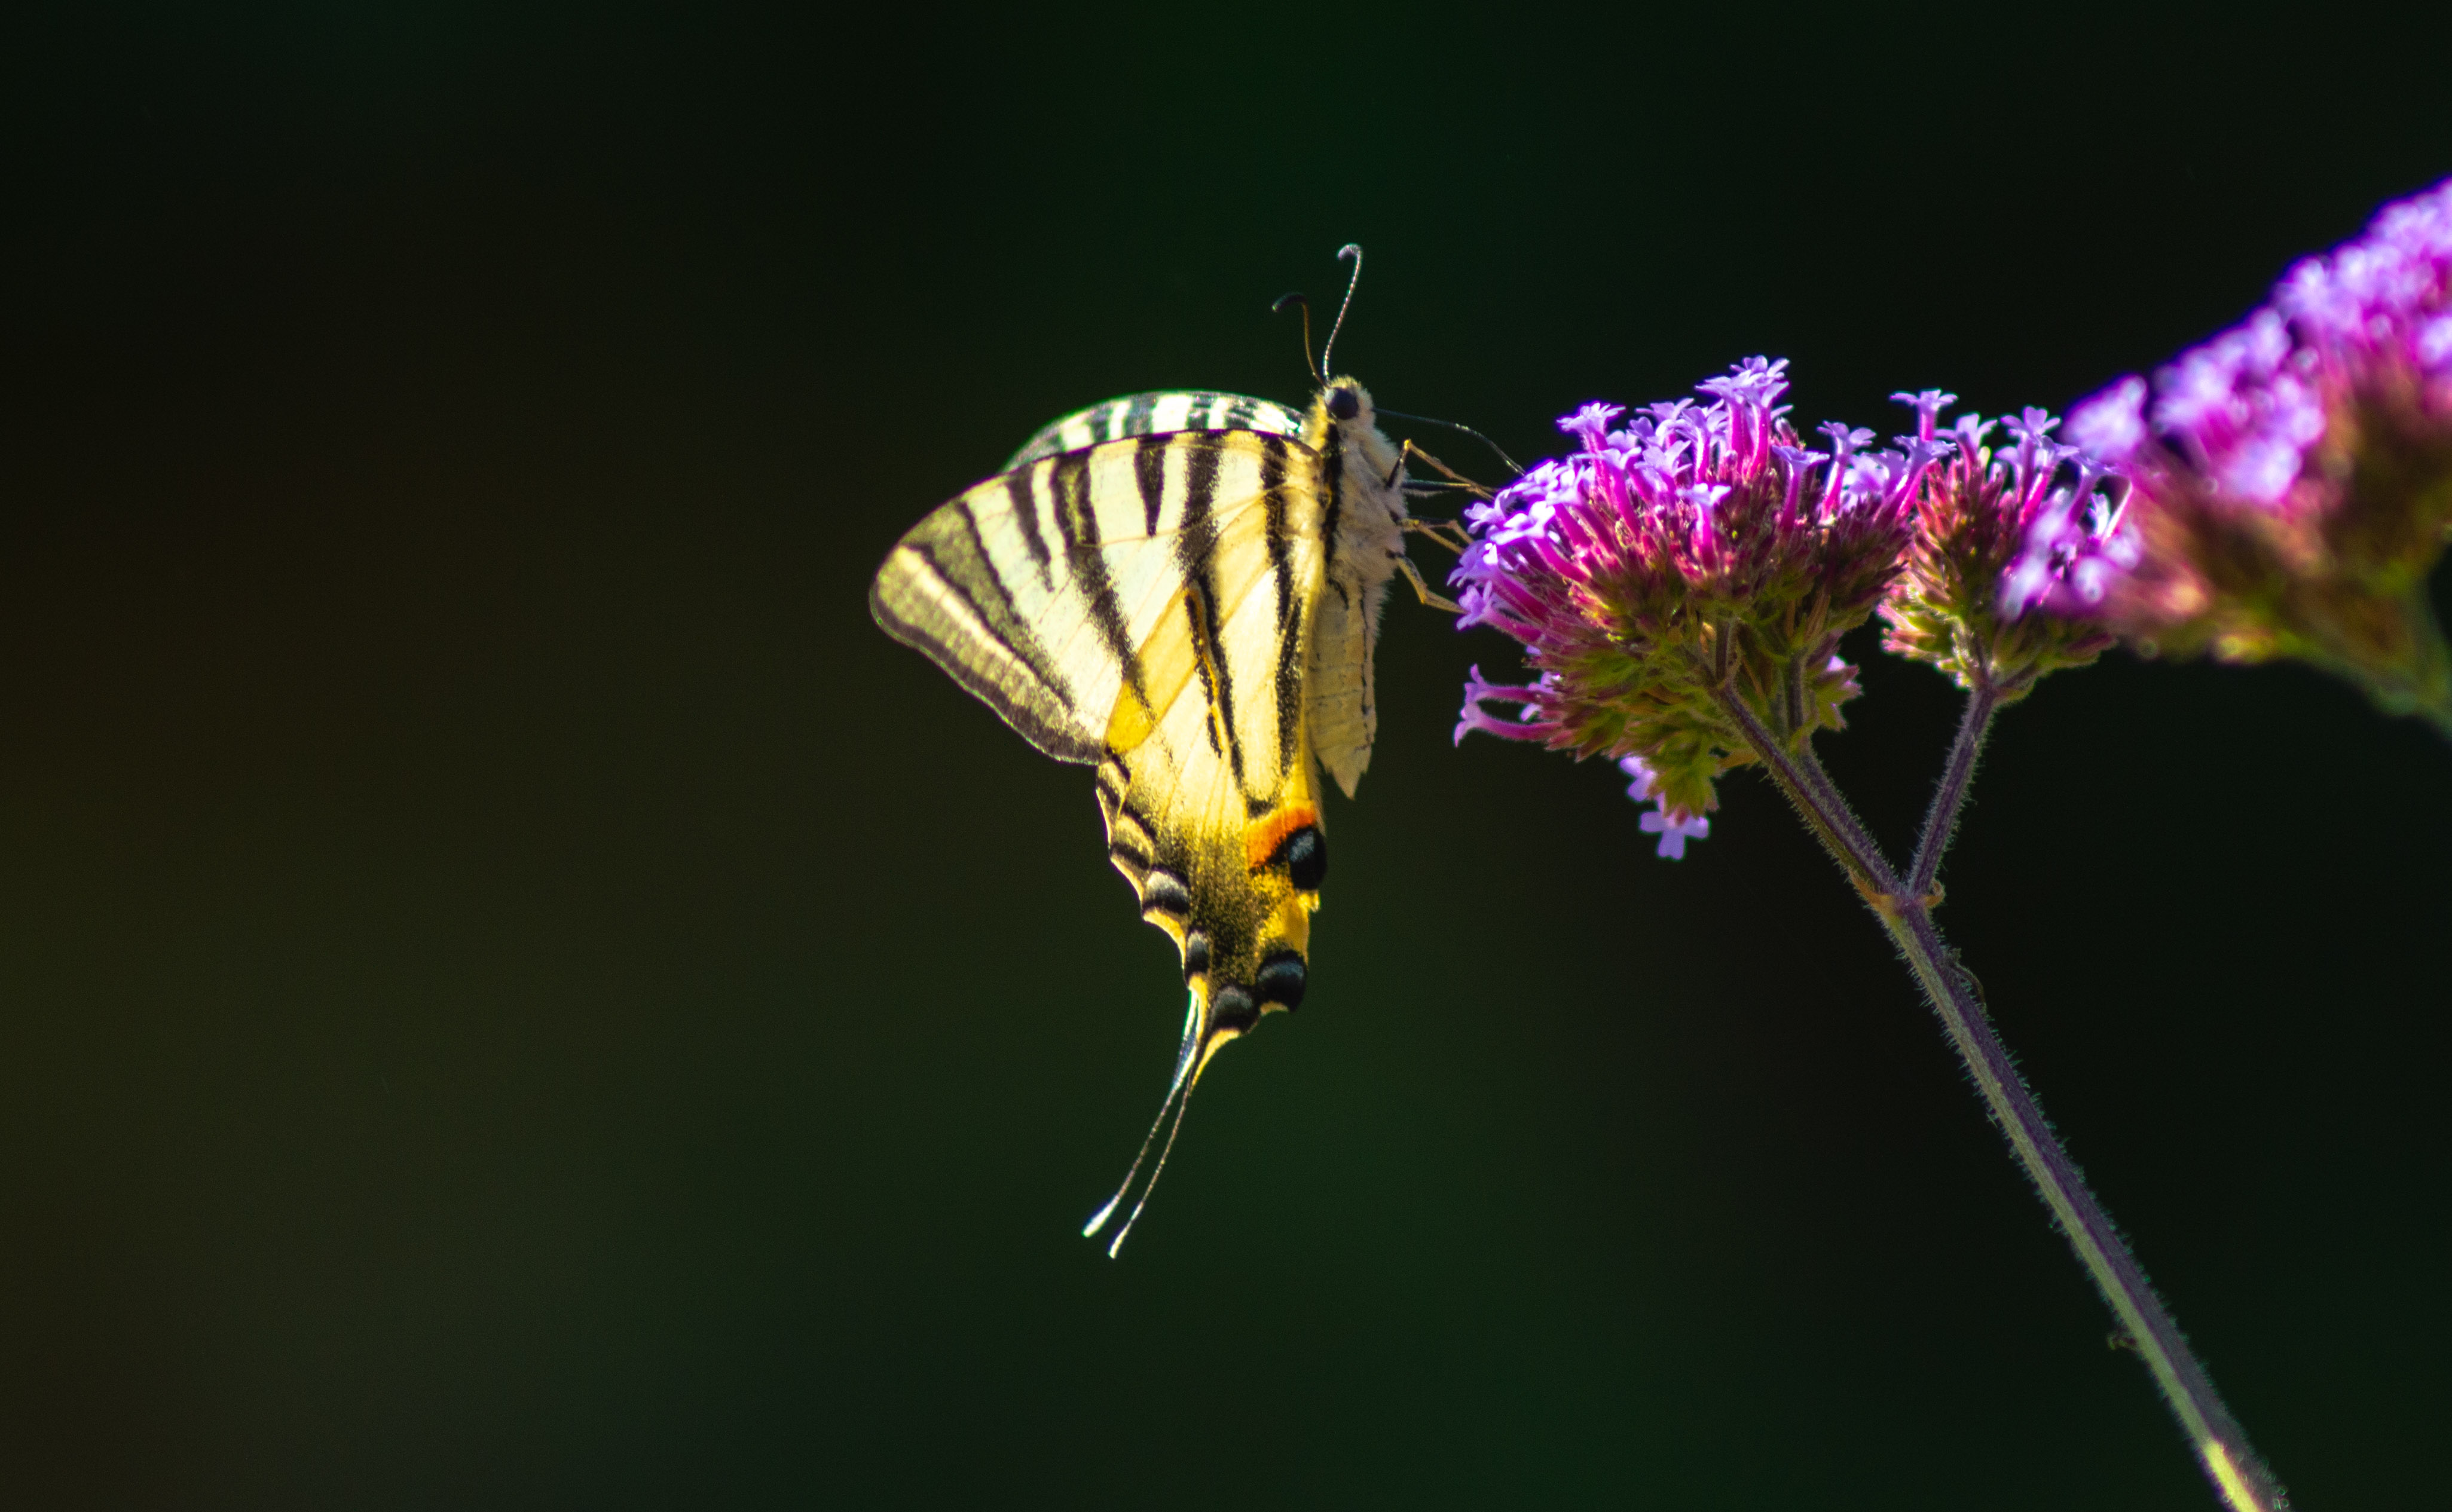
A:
{"x": 1304, "y": 855}
{"x": 1281, "y": 980}
{"x": 1343, "y": 403}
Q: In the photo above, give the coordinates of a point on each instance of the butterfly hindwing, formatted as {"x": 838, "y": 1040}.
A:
{"x": 1155, "y": 415}
{"x": 1207, "y": 786}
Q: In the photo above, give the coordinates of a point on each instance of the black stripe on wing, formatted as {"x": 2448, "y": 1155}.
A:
{"x": 1291, "y": 701}
{"x": 1149, "y": 478}
{"x": 1076, "y": 517}
{"x": 1017, "y": 494}
{"x": 1160, "y": 412}
{"x": 1196, "y": 557}
{"x": 940, "y": 592}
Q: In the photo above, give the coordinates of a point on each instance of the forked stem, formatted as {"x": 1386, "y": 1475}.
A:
{"x": 2239, "y": 1477}
{"x": 1941, "y": 821}
{"x": 1817, "y": 800}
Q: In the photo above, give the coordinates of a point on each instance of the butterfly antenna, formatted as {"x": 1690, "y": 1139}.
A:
{"x": 1353, "y": 251}
{"x": 1284, "y": 300}
{"x": 1175, "y": 1088}
{"x": 1425, "y": 419}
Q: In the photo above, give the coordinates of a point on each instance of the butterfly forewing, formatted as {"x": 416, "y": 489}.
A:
{"x": 1144, "y": 602}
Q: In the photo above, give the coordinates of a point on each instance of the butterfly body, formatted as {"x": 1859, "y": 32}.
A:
{"x": 1182, "y": 590}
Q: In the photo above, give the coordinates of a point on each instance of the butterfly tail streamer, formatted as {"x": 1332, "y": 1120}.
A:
{"x": 1178, "y": 1097}
{"x": 1182, "y": 1105}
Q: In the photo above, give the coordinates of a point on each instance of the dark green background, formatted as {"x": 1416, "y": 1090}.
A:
{"x": 514, "y": 993}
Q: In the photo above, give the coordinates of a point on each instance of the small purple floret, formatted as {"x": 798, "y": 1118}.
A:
{"x": 1673, "y": 829}
{"x": 1928, "y": 406}
{"x": 1675, "y": 833}
{"x": 2111, "y": 426}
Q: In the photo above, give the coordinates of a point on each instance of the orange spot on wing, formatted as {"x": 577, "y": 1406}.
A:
{"x": 1261, "y": 837}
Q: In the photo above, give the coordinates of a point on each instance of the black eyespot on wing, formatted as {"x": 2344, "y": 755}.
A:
{"x": 1343, "y": 403}
{"x": 1281, "y": 979}
{"x": 1304, "y": 855}
{"x": 1196, "y": 955}
{"x": 1232, "y": 1007}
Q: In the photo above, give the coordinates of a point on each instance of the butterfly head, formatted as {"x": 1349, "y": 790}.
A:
{"x": 1343, "y": 424}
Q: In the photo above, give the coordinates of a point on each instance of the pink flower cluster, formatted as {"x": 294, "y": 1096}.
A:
{"x": 2246, "y": 407}
{"x": 1691, "y": 550}
{"x": 2278, "y": 471}
{"x": 1680, "y": 583}
{"x": 1976, "y": 516}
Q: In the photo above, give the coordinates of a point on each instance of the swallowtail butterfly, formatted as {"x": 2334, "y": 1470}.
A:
{"x": 1183, "y": 591}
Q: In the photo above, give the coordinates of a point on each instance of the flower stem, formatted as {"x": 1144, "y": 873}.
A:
{"x": 2223, "y": 1449}
{"x": 2237, "y": 1473}
{"x": 1816, "y": 798}
{"x": 1941, "y": 821}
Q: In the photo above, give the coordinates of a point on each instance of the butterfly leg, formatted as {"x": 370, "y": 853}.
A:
{"x": 1446, "y": 532}
{"x": 1476, "y": 489}
{"x": 1413, "y": 576}
{"x": 1404, "y": 453}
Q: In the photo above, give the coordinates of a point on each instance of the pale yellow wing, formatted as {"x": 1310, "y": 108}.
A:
{"x": 1146, "y": 604}
{"x": 1149, "y": 604}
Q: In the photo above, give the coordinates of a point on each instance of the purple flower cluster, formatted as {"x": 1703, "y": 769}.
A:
{"x": 1680, "y": 582}
{"x": 1993, "y": 527}
{"x": 2289, "y": 483}
{"x": 2072, "y": 539}
{"x": 1693, "y": 553}
{"x": 2247, "y": 407}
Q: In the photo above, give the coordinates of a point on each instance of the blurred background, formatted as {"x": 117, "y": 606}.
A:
{"x": 513, "y": 992}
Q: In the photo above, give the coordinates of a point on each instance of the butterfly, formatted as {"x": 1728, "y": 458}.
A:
{"x": 1183, "y": 591}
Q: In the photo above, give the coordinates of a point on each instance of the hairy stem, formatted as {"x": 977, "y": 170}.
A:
{"x": 2239, "y": 1477}
{"x": 1941, "y": 821}
{"x": 1818, "y": 802}
{"x": 2222, "y": 1446}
